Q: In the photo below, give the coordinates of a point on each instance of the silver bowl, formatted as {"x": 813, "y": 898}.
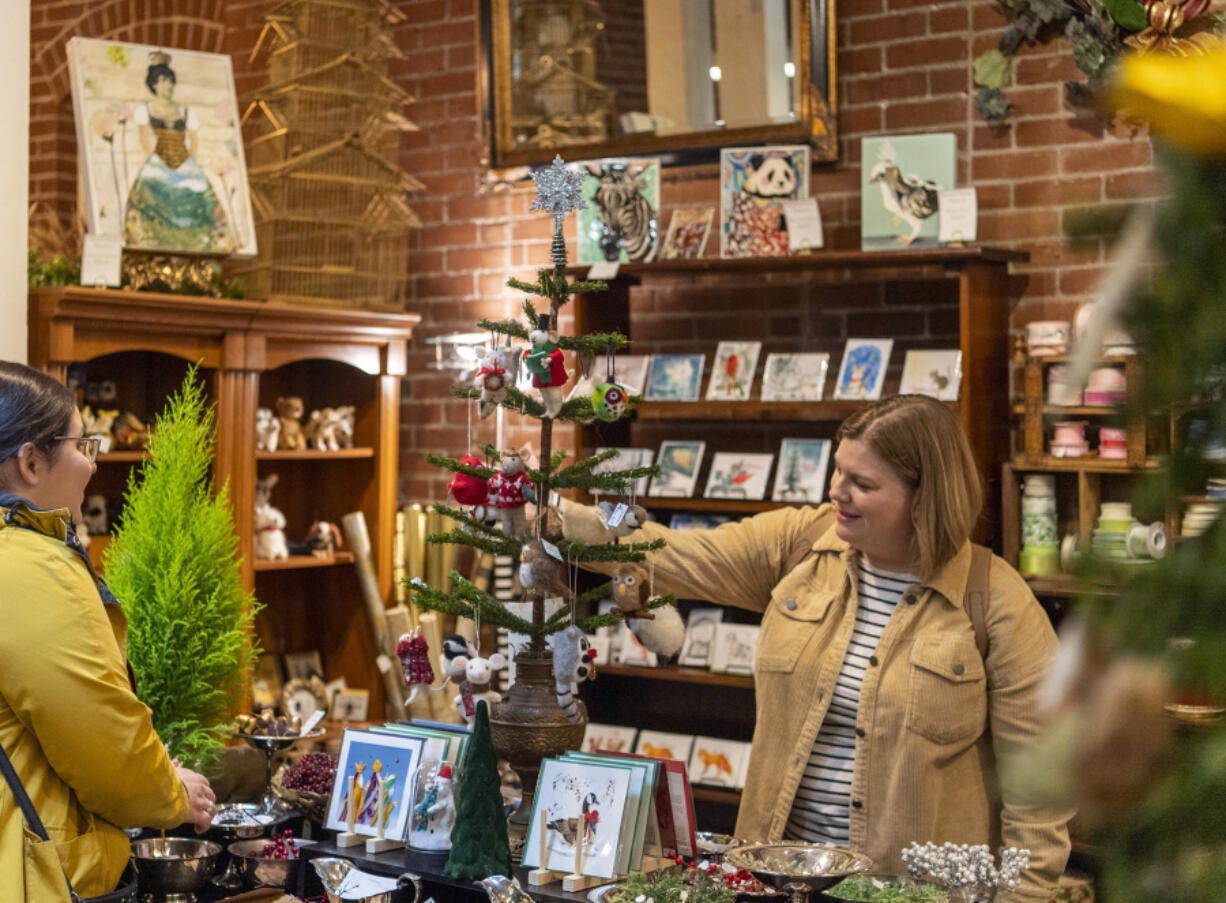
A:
{"x": 172, "y": 869}
{"x": 713, "y": 845}
{"x": 337, "y": 876}
{"x": 243, "y": 821}
{"x": 256, "y": 871}
{"x": 798, "y": 867}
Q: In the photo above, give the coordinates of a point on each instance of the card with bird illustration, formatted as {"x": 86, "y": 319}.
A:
{"x": 577, "y": 801}
{"x": 738, "y": 475}
{"x": 898, "y": 193}
{"x": 935, "y": 373}
{"x": 733, "y": 370}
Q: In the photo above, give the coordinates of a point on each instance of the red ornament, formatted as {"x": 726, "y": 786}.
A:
{"x": 466, "y": 489}
{"x": 414, "y": 655}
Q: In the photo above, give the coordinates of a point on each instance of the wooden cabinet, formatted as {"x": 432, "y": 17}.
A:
{"x": 250, "y": 354}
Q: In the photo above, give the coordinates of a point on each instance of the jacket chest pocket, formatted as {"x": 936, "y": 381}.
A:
{"x": 788, "y": 625}
{"x": 947, "y": 690}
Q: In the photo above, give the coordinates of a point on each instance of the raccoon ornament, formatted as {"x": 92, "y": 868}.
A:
{"x": 574, "y": 661}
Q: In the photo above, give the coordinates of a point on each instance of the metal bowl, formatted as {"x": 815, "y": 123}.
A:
{"x": 243, "y": 821}
{"x": 174, "y": 865}
{"x": 798, "y": 867}
{"x": 715, "y": 845}
{"x": 257, "y": 871}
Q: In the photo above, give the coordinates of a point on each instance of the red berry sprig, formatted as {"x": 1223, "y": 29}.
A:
{"x": 314, "y": 772}
{"x": 282, "y": 846}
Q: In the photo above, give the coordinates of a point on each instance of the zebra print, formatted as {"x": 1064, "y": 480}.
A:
{"x": 627, "y": 217}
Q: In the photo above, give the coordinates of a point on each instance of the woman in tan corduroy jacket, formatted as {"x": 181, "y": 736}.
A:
{"x": 934, "y": 714}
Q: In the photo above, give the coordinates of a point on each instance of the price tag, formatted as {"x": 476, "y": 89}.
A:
{"x": 314, "y": 720}
{"x": 605, "y": 270}
{"x": 959, "y": 215}
{"x": 804, "y": 224}
{"x": 551, "y": 550}
{"x": 617, "y": 515}
{"x": 100, "y": 255}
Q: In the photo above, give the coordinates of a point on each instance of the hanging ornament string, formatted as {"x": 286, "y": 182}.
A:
{"x": 610, "y": 368}
{"x": 477, "y": 629}
{"x": 651, "y": 579}
{"x": 572, "y": 580}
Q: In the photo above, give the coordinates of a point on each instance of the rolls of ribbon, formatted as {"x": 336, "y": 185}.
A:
{"x": 1146, "y": 540}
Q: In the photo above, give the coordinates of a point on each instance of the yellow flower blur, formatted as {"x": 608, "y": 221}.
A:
{"x": 1183, "y": 98}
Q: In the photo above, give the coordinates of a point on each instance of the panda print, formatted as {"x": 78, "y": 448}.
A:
{"x": 755, "y": 182}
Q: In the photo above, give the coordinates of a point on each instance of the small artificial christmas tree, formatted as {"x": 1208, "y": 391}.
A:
{"x": 174, "y": 567}
{"x": 479, "y": 845}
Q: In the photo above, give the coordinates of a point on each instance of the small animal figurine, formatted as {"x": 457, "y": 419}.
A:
{"x": 315, "y": 432}
{"x": 98, "y": 422}
{"x": 547, "y": 366}
{"x": 496, "y": 373}
{"x": 323, "y": 539}
{"x": 414, "y": 654}
{"x": 571, "y": 829}
{"x": 467, "y": 489}
{"x": 130, "y": 432}
{"x": 343, "y": 423}
{"x": 663, "y": 634}
{"x": 574, "y": 661}
{"x": 267, "y": 429}
{"x": 633, "y": 518}
{"x": 630, "y": 590}
{"x": 478, "y": 677}
{"x": 509, "y": 490}
{"x": 453, "y": 658}
{"x": 270, "y": 543}
{"x": 434, "y": 814}
{"x": 540, "y": 572}
{"x": 289, "y": 412}
{"x": 585, "y": 524}
{"x": 93, "y": 515}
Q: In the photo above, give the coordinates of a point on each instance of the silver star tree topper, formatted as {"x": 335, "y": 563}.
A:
{"x": 557, "y": 190}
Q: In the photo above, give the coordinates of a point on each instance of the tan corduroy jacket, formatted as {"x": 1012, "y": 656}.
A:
{"x": 934, "y": 714}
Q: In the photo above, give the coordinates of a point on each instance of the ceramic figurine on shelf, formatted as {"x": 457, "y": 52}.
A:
{"x": 434, "y": 813}
{"x": 547, "y": 366}
{"x": 267, "y": 429}
{"x": 130, "y": 432}
{"x": 98, "y": 422}
{"x": 289, "y": 413}
{"x": 270, "y": 544}
{"x": 323, "y": 539}
{"x": 509, "y": 491}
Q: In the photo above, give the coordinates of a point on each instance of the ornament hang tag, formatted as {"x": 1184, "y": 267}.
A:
{"x": 617, "y": 515}
{"x": 552, "y": 550}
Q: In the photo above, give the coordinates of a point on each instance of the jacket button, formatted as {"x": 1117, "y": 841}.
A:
{"x": 859, "y": 732}
{"x": 791, "y": 603}
{"x": 910, "y": 599}
{"x": 872, "y": 660}
{"x": 856, "y": 804}
{"x": 958, "y": 669}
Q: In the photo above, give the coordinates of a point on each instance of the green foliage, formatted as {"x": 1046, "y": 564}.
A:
{"x": 59, "y": 270}
{"x": 479, "y": 845}
{"x": 1127, "y": 14}
{"x": 174, "y": 566}
{"x": 665, "y": 887}
{"x": 992, "y": 69}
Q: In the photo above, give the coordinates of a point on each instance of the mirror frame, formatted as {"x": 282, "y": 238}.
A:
{"x": 817, "y": 125}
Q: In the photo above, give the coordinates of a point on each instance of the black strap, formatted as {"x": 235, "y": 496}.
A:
{"x": 27, "y": 807}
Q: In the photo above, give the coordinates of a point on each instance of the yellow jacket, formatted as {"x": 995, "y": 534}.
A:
{"x": 935, "y": 715}
{"x": 79, "y": 739}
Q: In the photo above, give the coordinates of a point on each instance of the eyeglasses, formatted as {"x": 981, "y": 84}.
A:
{"x": 86, "y": 445}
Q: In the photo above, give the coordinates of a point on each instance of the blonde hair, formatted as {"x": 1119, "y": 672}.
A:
{"x": 923, "y": 442}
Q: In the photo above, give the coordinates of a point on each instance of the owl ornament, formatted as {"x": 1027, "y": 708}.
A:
{"x": 414, "y": 654}
{"x": 609, "y": 401}
{"x": 662, "y": 630}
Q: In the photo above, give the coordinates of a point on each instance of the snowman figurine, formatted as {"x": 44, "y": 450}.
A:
{"x": 434, "y": 813}
{"x": 546, "y": 364}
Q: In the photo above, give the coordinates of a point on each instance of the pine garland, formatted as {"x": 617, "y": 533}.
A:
{"x": 174, "y": 565}
{"x": 613, "y": 618}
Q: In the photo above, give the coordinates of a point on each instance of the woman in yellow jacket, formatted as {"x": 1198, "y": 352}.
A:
{"x": 80, "y": 741}
{"x": 882, "y": 706}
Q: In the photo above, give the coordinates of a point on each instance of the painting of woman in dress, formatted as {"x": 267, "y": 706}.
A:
{"x": 161, "y": 151}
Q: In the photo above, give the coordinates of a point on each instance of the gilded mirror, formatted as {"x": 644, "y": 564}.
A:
{"x": 672, "y": 78}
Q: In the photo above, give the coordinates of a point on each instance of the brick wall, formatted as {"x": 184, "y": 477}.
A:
{"x": 904, "y": 66}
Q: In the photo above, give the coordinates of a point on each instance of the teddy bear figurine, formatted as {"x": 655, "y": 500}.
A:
{"x": 289, "y": 413}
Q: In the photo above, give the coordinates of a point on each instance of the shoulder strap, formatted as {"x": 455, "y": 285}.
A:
{"x": 802, "y": 547}
{"x": 27, "y": 807}
{"x": 976, "y": 599}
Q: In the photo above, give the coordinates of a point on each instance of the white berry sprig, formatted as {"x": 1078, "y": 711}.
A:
{"x": 966, "y": 867}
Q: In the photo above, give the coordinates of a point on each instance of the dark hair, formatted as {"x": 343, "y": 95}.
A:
{"x": 33, "y": 408}
{"x": 923, "y": 441}
{"x": 156, "y": 71}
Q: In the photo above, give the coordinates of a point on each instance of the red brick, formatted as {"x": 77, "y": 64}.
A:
{"x": 481, "y": 207}
{"x": 888, "y": 28}
{"x": 925, "y": 114}
{"x": 987, "y": 17}
{"x": 1043, "y": 132}
{"x": 1057, "y": 192}
{"x": 1105, "y": 156}
{"x": 1038, "y": 100}
{"x": 1144, "y": 183}
{"x": 1014, "y": 165}
{"x": 926, "y": 52}
{"x": 949, "y": 80}
{"x": 992, "y": 137}
{"x": 860, "y": 60}
{"x": 1081, "y": 280}
{"x": 892, "y": 86}
{"x": 993, "y": 197}
{"x": 861, "y": 8}
{"x": 952, "y": 18}
{"x": 1051, "y": 67}
{"x": 1012, "y": 226}
{"x": 476, "y": 259}
{"x": 861, "y": 121}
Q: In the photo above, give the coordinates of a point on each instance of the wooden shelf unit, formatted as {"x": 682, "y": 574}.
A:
{"x": 679, "y": 674}
{"x": 249, "y": 353}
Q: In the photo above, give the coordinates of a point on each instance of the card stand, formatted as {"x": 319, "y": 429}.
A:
{"x": 350, "y": 839}
{"x": 576, "y": 881}
{"x": 382, "y": 844}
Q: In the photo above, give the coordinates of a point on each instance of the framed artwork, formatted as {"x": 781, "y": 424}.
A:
{"x": 608, "y": 738}
{"x": 631, "y": 371}
{"x": 801, "y": 475}
{"x": 577, "y": 801}
{"x": 699, "y": 634}
{"x": 626, "y": 459}
{"x": 301, "y": 665}
{"x": 720, "y": 763}
{"x": 753, "y": 184}
{"x": 794, "y": 377}
{"x": 935, "y": 373}
{"x": 621, "y": 221}
{"x": 675, "y": 377}
{"x": 733, "y": 648}
{"x": 862, "y": 372}
{"x": 350, "y": 704}
{"x": 367, "y": 759}
{"x": 161, "y": 152}
{"x": 663, "y": 745}
{"x": 679, "y": 463}
{"x": 688, "y": 229}
{"x": 733, "y": 370}
{"x": 688, "y": 520}
{"x": 736, "y": 475}
{"x": 900, "y": 178}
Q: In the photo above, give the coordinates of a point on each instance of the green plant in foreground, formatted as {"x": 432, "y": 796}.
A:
{"x": 174, "y": 566}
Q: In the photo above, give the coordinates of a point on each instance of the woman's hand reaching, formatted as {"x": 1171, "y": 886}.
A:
{"x": 202, "y": 804}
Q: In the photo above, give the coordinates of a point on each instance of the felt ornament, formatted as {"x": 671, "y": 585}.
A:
{"x": 414, "y": 654}
{"x": 551, "y": 525}
{"x": 630, "y": 591}
{"x": 467, "y": 489}
{"x": 585, "y": 524}
{"x": 477, "y": 683}
{"x": 453, "y": 658}
{"x": 574, "y": 661}
{"x": 434, "y": 813}
{"x": 541, "y": 572}
{"x": 496, "y": 373}
{"x": 662, "y": 634}
{"x": 609, "y": 401}
{"x": 509, "y": 490}
{"x": 546, "y": 365}
{"x": 635, "y": 517}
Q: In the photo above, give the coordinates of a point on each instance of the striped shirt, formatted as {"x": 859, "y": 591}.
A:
{"x": 821, "y": 808}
